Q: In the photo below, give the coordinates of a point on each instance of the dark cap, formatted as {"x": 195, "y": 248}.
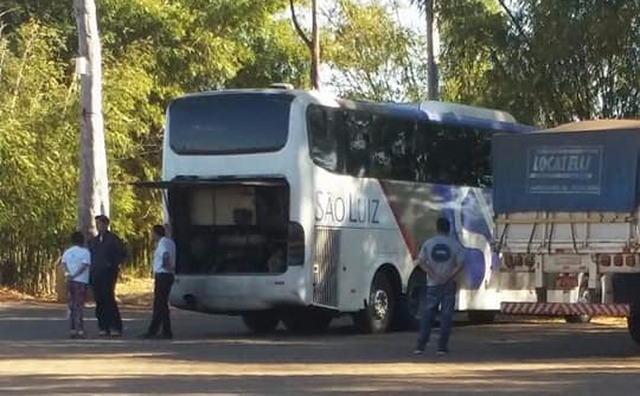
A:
{"x": 102, "y": 218}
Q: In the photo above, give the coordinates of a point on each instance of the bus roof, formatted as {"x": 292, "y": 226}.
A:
{"x": 447, "y": 113}
{"x": 402, "y": 110}
{"x": 437, "y": 109}
{"x": 434, "y": 111}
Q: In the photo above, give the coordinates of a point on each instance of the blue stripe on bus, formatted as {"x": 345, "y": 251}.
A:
{"x": 445, "y": 201}
{"x": 413, "y": 111}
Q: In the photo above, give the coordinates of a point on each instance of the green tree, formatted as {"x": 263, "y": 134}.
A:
{"x": 37, "y": 145}
{"x": 372, "y": 55}
{"x": 547, "y": 62}
{"x": 153, "y": 50}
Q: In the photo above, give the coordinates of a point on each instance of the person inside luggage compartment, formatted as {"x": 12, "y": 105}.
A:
{"x": 277, "y": 263}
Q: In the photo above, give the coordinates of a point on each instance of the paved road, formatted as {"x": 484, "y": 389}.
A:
{"x": 217, "y": 355}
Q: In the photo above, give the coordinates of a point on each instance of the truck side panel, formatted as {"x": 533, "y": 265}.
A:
{"x": 595, "y": 171}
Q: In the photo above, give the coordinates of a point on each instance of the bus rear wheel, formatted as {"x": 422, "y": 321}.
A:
{"x": 416, "y": 289}
{"x": 261, "y": 321}
{"x": 633, "y": 322}
{"x": 376, "y": 317}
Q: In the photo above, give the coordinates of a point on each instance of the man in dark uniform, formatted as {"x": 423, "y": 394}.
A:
{"x": 107, "y": 253}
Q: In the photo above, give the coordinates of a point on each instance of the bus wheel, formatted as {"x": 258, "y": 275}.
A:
{"x": 261, "y": 321}
{"x": 307, "y": 321}
{"x": 633, "y": 322}
{"x": 376, "y": 317}
{"x": 481, "y": 317}
{"x": 415, "y": 289}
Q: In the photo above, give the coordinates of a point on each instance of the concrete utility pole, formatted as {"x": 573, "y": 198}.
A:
{"x": 93, "y": 193}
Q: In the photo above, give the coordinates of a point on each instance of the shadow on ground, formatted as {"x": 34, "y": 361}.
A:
{"x": 218, "y": 355}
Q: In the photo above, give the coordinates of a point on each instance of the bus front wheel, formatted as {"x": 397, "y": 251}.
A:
{"x": 261, "y": 321}
{"x": 376, "y": 317}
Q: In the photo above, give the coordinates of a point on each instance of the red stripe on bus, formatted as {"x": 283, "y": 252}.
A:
{"x": 406, "y": 236}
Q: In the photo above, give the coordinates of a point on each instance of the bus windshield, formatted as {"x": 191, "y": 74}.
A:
{"x": 229, "y": 123}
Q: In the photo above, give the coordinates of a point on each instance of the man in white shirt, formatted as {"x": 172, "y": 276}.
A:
{"x": 164, "y": 264}
{"x": 76, "y": 261}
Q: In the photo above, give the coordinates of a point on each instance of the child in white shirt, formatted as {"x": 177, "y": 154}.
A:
{"x": 75, "y": 262}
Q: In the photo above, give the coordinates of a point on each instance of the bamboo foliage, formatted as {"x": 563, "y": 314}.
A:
{"x": 152, "y": 52}
{"x": 546, "y": 62}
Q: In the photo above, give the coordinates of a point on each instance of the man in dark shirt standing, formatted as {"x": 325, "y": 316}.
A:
{"x": 107, "y": 253}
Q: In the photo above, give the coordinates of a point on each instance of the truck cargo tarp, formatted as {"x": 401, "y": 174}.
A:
{"x": 566, "y": 170}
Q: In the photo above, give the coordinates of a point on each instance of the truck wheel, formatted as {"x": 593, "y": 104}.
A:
{"x": 577, "y": 318}
{"x": 376, "y": 317}
{"x": 261, "y": 321}
{"x": 584, "y": 297}
{"x": 633, "y": 322}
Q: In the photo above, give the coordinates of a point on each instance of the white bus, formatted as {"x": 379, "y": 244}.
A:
{"x": 292, "y": 206}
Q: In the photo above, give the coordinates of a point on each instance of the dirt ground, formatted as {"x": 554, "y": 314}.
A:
{"x": 129, "y": 290}
{"x": 217, "y": 355}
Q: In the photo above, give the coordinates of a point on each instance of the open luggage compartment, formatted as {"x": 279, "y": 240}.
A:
{"x": 233, "y": 227}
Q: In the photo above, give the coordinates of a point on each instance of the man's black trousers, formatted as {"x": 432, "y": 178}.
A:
{"x": 161, "y": 289}
{"x": 104, "y": 291}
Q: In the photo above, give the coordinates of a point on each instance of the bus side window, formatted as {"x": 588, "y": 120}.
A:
{"x": 392, "y": 149}
{"x": 430, "y": 152}
{"x": 481, "y": 166}
{"x": 358, "y": 128}
{"x": 380, "y": 158}
{"x": 322, "y": 140}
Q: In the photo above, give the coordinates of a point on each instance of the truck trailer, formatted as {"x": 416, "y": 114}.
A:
{"x": 567, "y": 209}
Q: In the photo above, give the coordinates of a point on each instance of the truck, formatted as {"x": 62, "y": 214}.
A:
{"x": 566, "y": 212}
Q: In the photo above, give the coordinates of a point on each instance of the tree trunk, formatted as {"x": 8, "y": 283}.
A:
{"x": 315, "y": 50}
{"x": 432, "y": 72}
{"x": 313, "y": 44}
{"x": 93, "y": 193}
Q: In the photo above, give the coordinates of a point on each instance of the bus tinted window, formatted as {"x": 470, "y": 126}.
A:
{"x": 386, "y": 147}
{"x": 392, "y": 149}
{"x": 358, "y": 127}
{"x": 450, "y": 154}
{"x": 324, "y": 139}
{"x": 234, "y": 123}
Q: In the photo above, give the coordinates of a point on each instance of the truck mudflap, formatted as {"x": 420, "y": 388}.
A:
{"x": 563, "y": 309}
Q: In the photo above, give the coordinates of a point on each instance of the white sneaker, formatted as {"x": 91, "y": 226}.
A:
{"x": 442, "y": 352}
